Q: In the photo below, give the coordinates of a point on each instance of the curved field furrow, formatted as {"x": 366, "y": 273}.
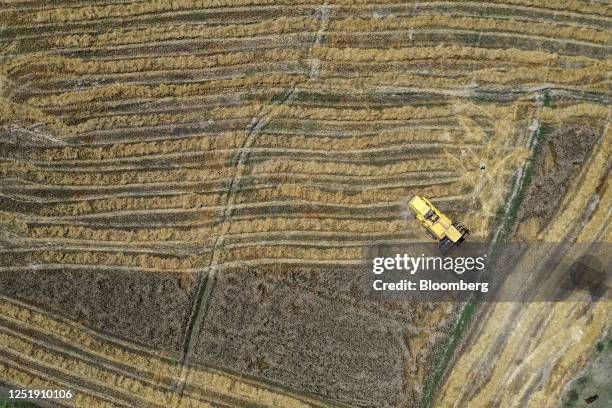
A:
{"x": 282, "y": 26}
{"x": 293, "y": 126}
{"x": 214, "y": 19}
{"x": 84, "y": 210}
{"x": 131, "y": 135}
{"x": 129, "y": 355}
{"x": 132, "y": 10}
{"x": 346, "y": 186}
{"x": 95, "y": 68}
{"x": 460, "y": 52}
{"x": 292, "y": 161}
{"x": 190, "y": 200}
{"x": 145, "y": 102}
{"x": 298, "y": 204}
{"x": 272, "y": 238}
{"x": 253, "y": 224}
{"x": 437, "y": 7}
{"x": 99, "y": 69}
{"x": 469, "y": 37}
{"x": 264, "y": 197}
{"x": 219, "y": 168}
{"x": 31, "y": 5}
{"x": 12, "y": 327}
{"x": 106, "y": 382}
{"x": 388, "y": 24}
{"x": 344, "y": 193}
{"x": 164, "y": 148}
{"x": 51, "y": 255}
{"x": 205, "y": 46}
{"x": 94, "y": 343}
{"x": 23, "y": 375}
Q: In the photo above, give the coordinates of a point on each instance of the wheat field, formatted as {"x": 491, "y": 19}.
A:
{"x": 152, "y": 153}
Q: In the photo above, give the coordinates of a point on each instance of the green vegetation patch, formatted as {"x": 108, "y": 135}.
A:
{"x": 594, "y": 381}
{"x": 506, "y": 218}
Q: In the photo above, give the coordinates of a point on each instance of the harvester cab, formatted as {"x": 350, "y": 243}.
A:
{"x": 438, "y": 225}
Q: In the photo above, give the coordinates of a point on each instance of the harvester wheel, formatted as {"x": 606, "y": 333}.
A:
{"x": 446, "y": 245}
{"x": 463, "y": 230}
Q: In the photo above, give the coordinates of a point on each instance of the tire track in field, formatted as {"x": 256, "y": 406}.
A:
{"x": 207, "y": 281}
{"x": 126, "y": 359}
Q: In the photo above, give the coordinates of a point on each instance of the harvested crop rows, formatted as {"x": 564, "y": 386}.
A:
{"x": 156, "y": 153}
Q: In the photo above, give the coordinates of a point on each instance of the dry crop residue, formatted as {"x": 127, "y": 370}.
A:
{"x": 127, "y": 176}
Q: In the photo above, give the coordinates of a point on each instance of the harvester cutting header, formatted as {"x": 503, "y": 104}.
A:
{"x": 438, "y": 225}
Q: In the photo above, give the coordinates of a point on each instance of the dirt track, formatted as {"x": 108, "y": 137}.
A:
{"x": 524, "y": 354}
{"x": 221, "y": 166}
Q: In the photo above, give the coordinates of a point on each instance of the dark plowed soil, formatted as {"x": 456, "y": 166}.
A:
{"x": 147, "y": 308}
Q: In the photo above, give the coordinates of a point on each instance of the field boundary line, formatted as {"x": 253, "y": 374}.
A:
{"x": 258, "y": 122}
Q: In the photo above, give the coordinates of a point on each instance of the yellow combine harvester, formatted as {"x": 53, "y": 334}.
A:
{"x": 438, "y": 225}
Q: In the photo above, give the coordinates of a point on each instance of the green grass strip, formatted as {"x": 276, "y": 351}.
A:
{"x": 507, "y": 219}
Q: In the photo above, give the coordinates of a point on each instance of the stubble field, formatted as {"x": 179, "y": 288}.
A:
{"x": 188, "y": 188}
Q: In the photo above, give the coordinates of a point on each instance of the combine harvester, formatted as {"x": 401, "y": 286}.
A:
{"x": 438, "y": 225}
